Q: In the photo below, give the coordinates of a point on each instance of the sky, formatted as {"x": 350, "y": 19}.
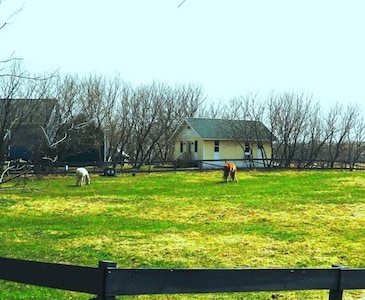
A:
{"x": 230, "y": 48}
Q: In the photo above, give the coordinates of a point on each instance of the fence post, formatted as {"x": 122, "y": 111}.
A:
{"x": 103, "y": 267}
{"x": 337, "y": 293}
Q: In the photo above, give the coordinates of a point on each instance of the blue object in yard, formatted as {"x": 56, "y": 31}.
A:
{"x": 109, "y": 172}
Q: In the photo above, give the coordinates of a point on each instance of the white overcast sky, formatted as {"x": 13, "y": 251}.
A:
{"x": 229, "y": 47}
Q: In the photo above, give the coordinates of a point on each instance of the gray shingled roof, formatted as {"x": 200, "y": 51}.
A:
{"x": 221, "y": 129}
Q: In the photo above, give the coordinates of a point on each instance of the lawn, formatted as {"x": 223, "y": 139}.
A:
{"x": 288, "y": 219}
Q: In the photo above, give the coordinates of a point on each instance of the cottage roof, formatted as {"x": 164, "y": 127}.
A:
{"x": 224, "y": 129}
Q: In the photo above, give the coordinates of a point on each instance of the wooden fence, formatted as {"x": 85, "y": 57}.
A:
{"x": 107, "y": 281}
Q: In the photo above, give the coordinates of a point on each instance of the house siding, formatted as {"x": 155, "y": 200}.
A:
{"x": 230, "y": 150}
{"x": 234, "y": 150}
{"x": 227, "y": 150}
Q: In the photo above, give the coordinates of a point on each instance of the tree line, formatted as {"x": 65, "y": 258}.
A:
{"x": 302, "y": 130}
{"x": 116, "y": 119}
{"x": 96, "y": 113}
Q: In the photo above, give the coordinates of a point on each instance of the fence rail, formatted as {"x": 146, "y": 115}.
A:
{"x": 175, "y": 165}
{"x": 107, "y": 281}
{"x": 97, "y": 167}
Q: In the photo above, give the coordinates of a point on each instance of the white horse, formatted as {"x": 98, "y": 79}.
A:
{"x": 82, "y": 177}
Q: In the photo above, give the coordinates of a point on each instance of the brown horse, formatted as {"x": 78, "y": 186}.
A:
{"x": 230, "y": 169}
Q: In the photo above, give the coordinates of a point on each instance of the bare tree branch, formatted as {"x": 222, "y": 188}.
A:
{"x": 50, "y": 159}
{"x": 12, "y": 15}
{"x": 181, "y": 3}
{"x": 5, "y": 171}
{"x": 38, "y": 78}
{"x": 49, "y": 141}
{"x": 10, "y": 59}
{"x": 2, "y": 26}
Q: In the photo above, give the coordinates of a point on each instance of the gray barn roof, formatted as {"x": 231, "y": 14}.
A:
{"x": 222, "y": 129}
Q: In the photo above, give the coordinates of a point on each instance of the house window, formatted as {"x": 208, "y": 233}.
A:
{"x": 196, "y": 146}
{"x": 181, "y": 147}
{"x": 216, "y": 146}
{"x": 247, "y": 151}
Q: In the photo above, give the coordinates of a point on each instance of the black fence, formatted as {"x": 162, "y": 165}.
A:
{"x": 176, "y": 165}
{"x": 110, "y": 169}
{"x": 107, "y": 281}
{"x": 218, "y": 163}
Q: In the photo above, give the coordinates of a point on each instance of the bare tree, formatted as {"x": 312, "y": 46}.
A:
{"x": 87, "y": 112}
{"x": 19, "y": 105}
{"x": 113, "y": 91}
{"x": 20, "y": 93}
{"x": 339, "y": 125}
{"x": 213, "y": 110}
{"x": 313, "y": 139}
{"x": 146, "y": 104}
{"x": 123, "y": 126}
{"x": 289, "y": 116}
{"x": 147, "y": 117}
{"x": 356, "y": 148}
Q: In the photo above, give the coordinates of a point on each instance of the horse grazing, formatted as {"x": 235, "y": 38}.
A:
{"x": 230, "y": 169}
{"x": 82, "y": 177}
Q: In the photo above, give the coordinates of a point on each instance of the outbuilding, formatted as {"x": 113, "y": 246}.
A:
{"x": 214, "y": 141}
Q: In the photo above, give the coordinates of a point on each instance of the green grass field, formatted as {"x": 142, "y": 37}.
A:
{"x": 286, "y": 219}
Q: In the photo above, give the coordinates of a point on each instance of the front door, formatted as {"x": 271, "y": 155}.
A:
{"x": 196, "y": 157}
